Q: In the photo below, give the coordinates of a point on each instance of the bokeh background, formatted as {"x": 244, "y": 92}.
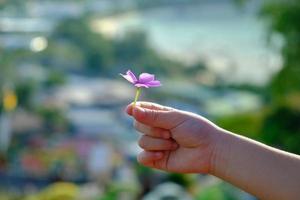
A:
{"x": 63, "y": 130}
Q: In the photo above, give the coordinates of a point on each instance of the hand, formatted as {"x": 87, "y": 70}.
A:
{"x": 174, "y": 140}
{"x": 183, "y": 142}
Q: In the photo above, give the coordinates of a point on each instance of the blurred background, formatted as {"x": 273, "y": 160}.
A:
{"x": 63, "y": 130}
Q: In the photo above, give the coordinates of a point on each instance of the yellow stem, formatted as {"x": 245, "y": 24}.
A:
{"x": 137, "y": 94}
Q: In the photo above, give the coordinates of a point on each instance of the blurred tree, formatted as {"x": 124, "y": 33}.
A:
{"x": 186, "y": 181}
{"x": 25, "y": 91}
{"x": 134, "y": 50}
{"x": 196, "y": 68}
{"x": 284, "y": 18}
{"x": 8, "y": 71}
{"x": 132, "y": 46}
{"x": 249, "y": 124}
{"x": 281, "y": 126}
{"x": 221, "y": 191}
{"x": 7, "y": 74}
{"x": 54, "y": 119}
{"x": 278, "y": 123}
{"x": 16, "y": 6}
{"x": 62, "y": 55}
{"x": 73, "y": 45}
{"x": 55, "y": 78}
{"x": 96, "y": 49}
{"x": 10, "y": 60}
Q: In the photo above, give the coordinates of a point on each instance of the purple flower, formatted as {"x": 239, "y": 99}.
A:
{"x": 145, "y": 80}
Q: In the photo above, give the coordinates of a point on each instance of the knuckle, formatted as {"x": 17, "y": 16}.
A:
{"x": 154, "y": 116}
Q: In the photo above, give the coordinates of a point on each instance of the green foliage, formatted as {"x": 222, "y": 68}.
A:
{"x": 211, "y": 193}
{"x": 115, "y": 191}
{"x": 281, "y": 128}
{"x": 278, "y": 123}
{"x": 248, "y": 124}
{"x": 25, "y": 91}
{"x": 17, "y": 6}
{"x": 64, "y": 55}
{"x": 284, "y": 18}
{"x": 7, "y": 69}
{"x": 75, "y": 46}
{"x": 132, "y": 46}
{"x": 53, "y": 118}
{"x": 9, "y": 60}
{"x": 196, "y": 68}
{"x": 55, "y": 78}
{"x": 283, "y": 15}
{"x": 181, "y": 179}
{"x": 97, "y": 50}
{"x": 134, "y": 50}
{"x": 220, "y": 191}
{"x": 281, "y": 125}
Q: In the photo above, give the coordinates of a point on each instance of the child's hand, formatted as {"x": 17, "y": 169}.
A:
{"x": 183, "y": 142}
{"x": 174, "y": 140}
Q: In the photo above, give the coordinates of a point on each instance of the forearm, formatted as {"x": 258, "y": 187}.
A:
{"x": 261, "y": 170}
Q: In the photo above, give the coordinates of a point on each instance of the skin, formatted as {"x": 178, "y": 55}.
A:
{"x": 177, "y": 141}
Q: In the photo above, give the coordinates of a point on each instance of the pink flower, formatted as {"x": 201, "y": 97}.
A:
{"x": 145, "y": 80}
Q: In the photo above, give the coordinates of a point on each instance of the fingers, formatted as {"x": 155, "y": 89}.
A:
{"x": 156, "y": 144}
{"x": 154, "y": 150}
{"x": 149, "y": 157}
{"x": 149, "y": 105}
{"x": 158, "y": 118}
{"x": 155, "y": 115}
{"x": 152, "y": 131}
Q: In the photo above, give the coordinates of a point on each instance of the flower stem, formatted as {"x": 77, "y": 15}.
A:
{"x": 137, "y": 94}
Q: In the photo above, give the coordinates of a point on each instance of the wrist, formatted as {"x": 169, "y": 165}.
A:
{"x": 221, "y": 153}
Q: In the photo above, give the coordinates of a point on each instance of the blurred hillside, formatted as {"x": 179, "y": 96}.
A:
{"x": 62, "y": 98}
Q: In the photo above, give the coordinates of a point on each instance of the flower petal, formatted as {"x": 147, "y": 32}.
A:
{"x": 130, "y": 77}
{"x": 154, "y": 83}
{"x": 141, "y": 85}
{"x": 131, "y": 74}
{"x": 145, "y": 78}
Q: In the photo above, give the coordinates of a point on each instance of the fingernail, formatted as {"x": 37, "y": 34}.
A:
{"x": 140, "y": 109}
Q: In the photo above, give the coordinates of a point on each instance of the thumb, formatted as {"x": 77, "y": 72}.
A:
{"x": 166, "y": 119}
